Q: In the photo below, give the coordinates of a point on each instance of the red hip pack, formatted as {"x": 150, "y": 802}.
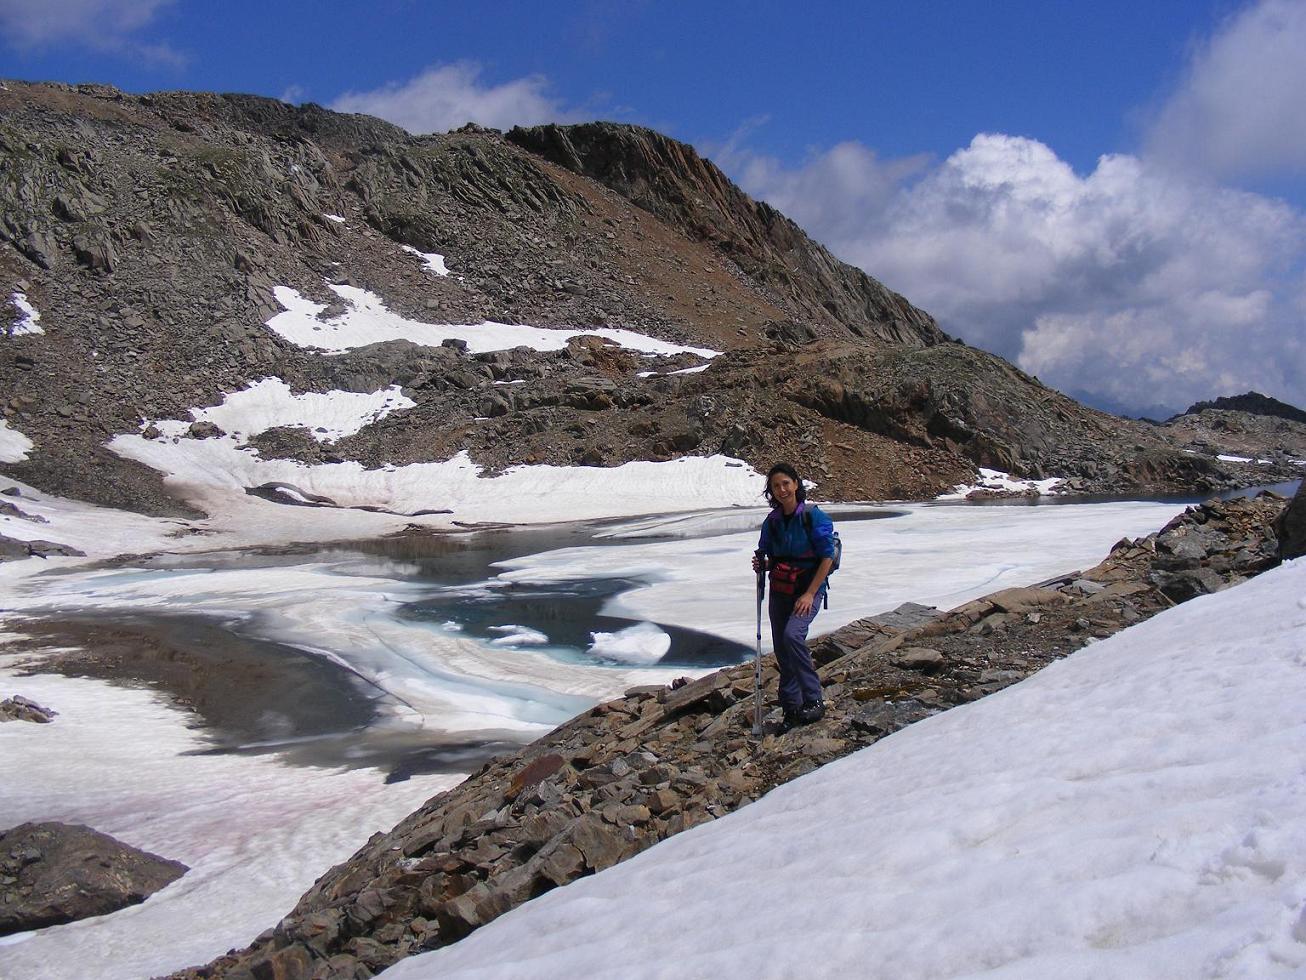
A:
{"x": 787, "y": 579}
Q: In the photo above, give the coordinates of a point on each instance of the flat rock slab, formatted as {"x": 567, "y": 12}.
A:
{"x": 1021, "y": 600}
{"x": 51, "y": 873}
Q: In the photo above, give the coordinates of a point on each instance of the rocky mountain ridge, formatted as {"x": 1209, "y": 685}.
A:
{"x": 1252, "y": 403}
{"x": 151, "y": 232}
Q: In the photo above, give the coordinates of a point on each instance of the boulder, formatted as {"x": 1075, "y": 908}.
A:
{"x": 19, "y": 708}
{"x": 40, "y": 548}
{"x": 51, "y": 873}
{"x": 1292, "y": 527}
{"x": 920, "y": 658}
{"x": 204, "y": 430}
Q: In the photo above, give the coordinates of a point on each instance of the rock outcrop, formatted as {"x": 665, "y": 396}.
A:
{"x": 633, "y": 771}
{"x": 51, "y": 873}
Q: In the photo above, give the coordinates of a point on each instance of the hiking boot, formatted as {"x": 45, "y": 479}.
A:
{"x": 791, "y": 720}
{"x": 809, "y": 713}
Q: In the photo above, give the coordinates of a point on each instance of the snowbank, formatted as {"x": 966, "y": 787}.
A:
{"x": 1132, "y": 811}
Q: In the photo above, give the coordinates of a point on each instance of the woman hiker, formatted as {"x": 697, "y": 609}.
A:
{"x": 797, "y": 547}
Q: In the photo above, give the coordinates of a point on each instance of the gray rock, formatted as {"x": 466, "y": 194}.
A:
{"x": 51, "y": 549}
{"x": 885, "y": 717}
{"x": 51, "y": 873}
{"x": 1291, "y": 527}
{"x": 1184, "y": 584}
{"x": 19, "y": 708}
{"x": 96, "y": 252}
{"x": 205, "y": 430}
{"x": 920, "y": 658}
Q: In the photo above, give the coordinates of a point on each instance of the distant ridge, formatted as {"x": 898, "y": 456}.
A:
{"x": 1252, "y": 402}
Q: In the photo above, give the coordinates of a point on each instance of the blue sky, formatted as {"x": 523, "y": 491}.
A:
{"x": 1113, "y": 195}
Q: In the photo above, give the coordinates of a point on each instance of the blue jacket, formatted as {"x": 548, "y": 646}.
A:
{"x": 786, "y": 538}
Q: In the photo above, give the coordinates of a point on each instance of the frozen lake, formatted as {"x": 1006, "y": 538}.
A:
{"x": 457, "y": 644}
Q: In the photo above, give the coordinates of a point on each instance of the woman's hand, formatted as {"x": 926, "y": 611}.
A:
{"x": 759, "y": 563}
{"x": 803, "y": 607}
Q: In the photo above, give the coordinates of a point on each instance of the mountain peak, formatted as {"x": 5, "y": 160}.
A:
{"x": 671, "y": 181}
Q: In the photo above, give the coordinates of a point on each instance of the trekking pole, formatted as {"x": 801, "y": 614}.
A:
{"x": 757, "y": 660}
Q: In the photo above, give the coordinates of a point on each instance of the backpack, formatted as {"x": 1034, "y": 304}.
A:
{"x": 838, "y": 545}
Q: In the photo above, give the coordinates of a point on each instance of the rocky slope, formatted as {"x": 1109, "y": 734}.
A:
{"x": 1267, "y": 435}
{"x": 633, "y": 771}
{"x": 150, "y": 231}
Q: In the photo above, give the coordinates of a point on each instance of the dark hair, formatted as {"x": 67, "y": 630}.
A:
{"x": 788, "y": 470}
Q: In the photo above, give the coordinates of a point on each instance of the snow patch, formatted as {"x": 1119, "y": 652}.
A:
{"x": 14, "y": 446}
{"x": 1223, "y": 457}
{"x": 270, "y": 403}
{"x": 1004, "y": 482}
{"x": 366, "y": 320}
{"x": 29, "y": 319}
{"x": 334, "y": 217}
{"x": 433, "y": 260}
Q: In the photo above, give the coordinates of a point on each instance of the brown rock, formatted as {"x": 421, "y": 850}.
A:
{"x": 55, "y": 872}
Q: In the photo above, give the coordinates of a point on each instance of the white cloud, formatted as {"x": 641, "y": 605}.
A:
{"x": 445, "y": 97}
{"x": 103, "y": 24}
{"x": 1129, "y": 287}
{"x": 1238, "y": 108}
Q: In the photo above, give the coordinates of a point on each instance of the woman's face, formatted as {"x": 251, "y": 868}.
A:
{"x": 784, "y": 491}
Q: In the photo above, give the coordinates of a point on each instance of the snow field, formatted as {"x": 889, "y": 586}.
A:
{"x": 213, "y": 473}
{"x": 1132, "y": 811}
{"x": 444, "y": 682}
